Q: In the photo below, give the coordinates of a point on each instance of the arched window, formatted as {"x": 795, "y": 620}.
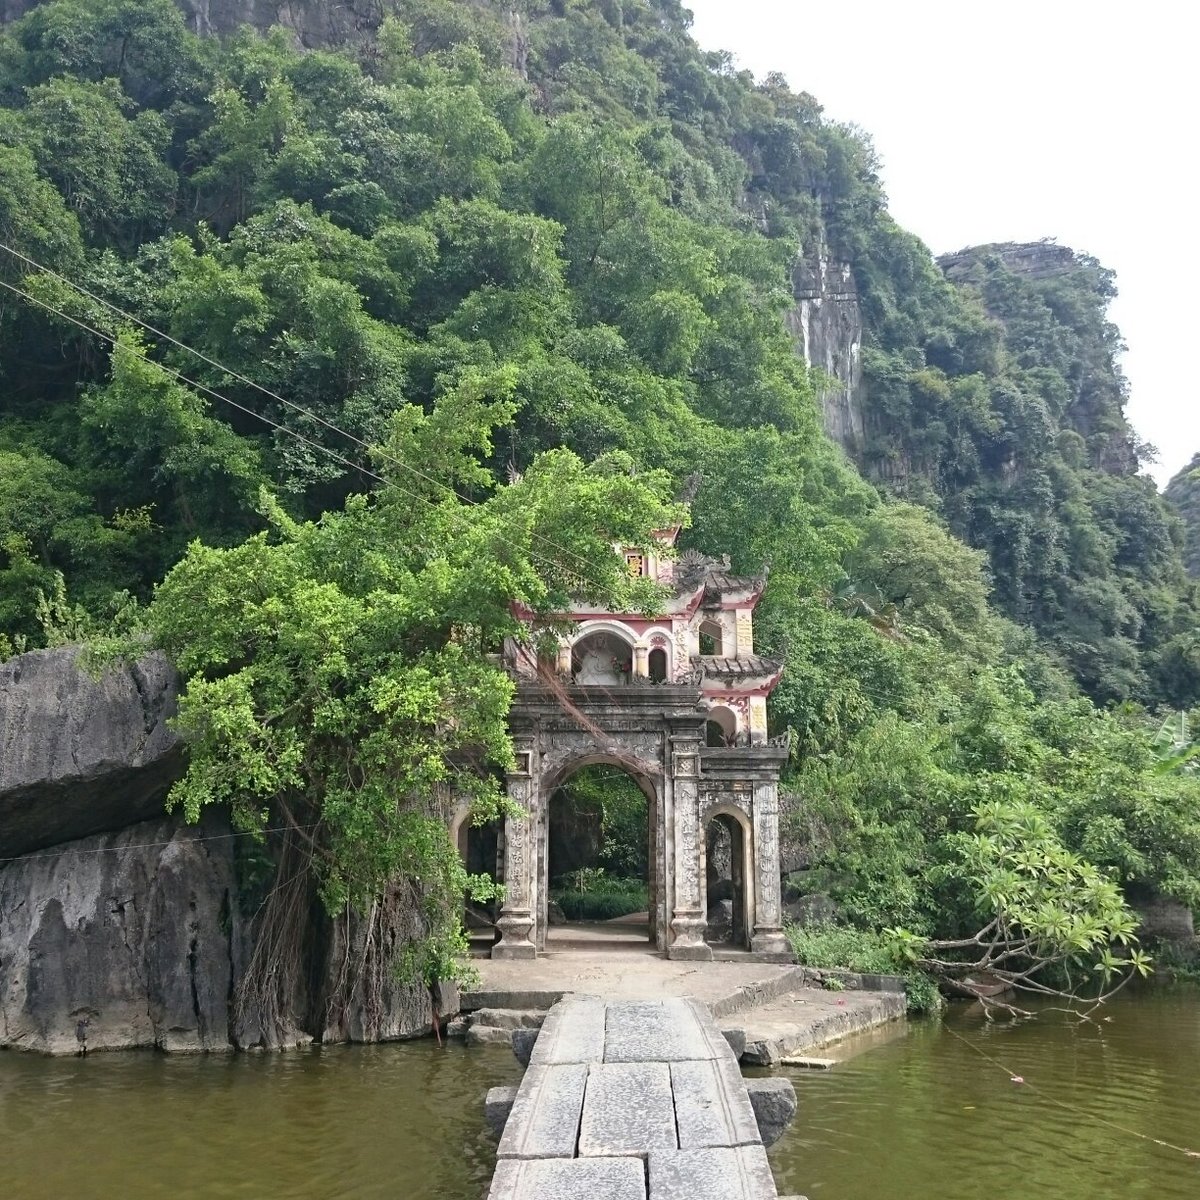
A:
{"x": 601, "y": 658}
{"x": 657, "y": 665}
{"x": 721, "y": 727}
{"x": 711, "y": 638}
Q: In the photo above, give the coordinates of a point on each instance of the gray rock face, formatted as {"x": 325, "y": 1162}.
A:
{"x": 80, "y": 755}
{"x": 827, "y": 327}
{"x": 120, "y": 928}
{"x": 1163, "y": 919}
{"x": 774, "y": 1104}
{"x": 315, "y": 23}
{"x": 119, "y": 940}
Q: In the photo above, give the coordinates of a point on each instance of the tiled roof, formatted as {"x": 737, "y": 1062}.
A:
{"x": 750, "y": 667}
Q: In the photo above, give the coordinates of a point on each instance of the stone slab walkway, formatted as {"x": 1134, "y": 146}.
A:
{"x": 631, "y": 1100}
{"x": 623, "y": 971}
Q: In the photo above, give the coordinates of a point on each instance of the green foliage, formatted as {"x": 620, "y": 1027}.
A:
{"x": 842, "y": 947}
{"x": 591, "y": 894}
{"x": 475, "y": 271}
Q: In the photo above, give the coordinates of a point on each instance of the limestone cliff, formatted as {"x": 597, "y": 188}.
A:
{"x": 81, "y": 754}
{"x": 827, "y": 327}
{"x": 121, "y": 927}
{"x": 118, "y": 941}
{"x": 315, "y": 23}
{"x": 1183, "y": 494}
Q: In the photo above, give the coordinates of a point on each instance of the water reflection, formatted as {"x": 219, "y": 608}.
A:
{"x": 920, "y": 1115}
{"x": 399, "y": 1121}
{"x": 929, "y": 1115}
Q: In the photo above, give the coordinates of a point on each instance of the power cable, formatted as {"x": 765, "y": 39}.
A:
{"x": 216, "y": 837}
{"x": 229, "y": 371}
{"x": 179, "y": 377}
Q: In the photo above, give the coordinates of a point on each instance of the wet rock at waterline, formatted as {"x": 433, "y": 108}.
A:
{"x": 118, "y": 941}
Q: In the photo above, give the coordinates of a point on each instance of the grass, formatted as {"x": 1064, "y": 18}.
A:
{"x": 839, "y": 946}
{"x": 600, "y": 898}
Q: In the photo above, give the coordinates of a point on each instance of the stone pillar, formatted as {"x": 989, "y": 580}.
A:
{"x": 689, "y": 921}
{"x": 564, "y": 659}
{"x": 744, "y": 640}
{"x": 768, "y": 928}
{"x": 516, "y": 920}
{"x": 641, "y": 661}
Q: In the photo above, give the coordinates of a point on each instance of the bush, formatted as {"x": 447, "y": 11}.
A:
{"x": 590, "y": 895}
{"x": 863, "y": 951}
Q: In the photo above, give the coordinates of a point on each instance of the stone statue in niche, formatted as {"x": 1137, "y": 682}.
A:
{"x": 599, "y": 664}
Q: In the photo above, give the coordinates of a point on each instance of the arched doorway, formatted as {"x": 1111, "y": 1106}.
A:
{"x": 728, "y": 875}
{"x": 711, "y": 638}
{"x": 479, "y": 848}
{"x": 657, "y": 666}
{"x": 601, "y": 659}
{"x": 597, "y": 858}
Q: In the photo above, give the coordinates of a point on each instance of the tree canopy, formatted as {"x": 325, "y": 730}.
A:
{"x": 344, "y": 350}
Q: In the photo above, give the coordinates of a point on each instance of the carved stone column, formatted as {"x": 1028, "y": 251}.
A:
{"x": 689, "y": 922}
{"x": 641, "y": 662}
{"x": 516, "y": 920}
{"x": 768, "y": 929}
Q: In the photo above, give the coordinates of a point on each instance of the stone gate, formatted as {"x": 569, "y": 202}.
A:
{"x": 678, "y": 702}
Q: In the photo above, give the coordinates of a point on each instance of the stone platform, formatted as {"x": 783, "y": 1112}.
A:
{"x": 631, "y": 1100}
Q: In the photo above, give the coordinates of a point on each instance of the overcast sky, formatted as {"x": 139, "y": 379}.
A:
{"x": 1019, "y": 121}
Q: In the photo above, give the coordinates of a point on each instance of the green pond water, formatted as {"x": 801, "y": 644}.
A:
{"x": 922, "y": 1115}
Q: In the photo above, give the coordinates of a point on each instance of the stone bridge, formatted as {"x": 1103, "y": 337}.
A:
{"x": 635, "y": 1100}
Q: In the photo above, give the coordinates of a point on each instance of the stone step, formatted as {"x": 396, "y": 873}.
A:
{"x": 808, "y": 1019}
{"x": 509, "y": 1018}
{"x": 488, "y": 1035}
{"x": 569, "y": 1179}
{"x": 718, "y": 1173}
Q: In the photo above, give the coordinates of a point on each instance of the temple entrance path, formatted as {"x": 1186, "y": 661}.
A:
{"x": 631, "y": 1100}
{"x": 769, "y": 1010}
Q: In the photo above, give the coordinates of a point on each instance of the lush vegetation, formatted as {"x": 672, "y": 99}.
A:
{"x": 591, "y": 894}
{"x": 469, "y": 302}
{"x": 1183, "y": 492}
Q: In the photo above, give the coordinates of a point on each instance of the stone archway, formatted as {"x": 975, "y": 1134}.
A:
{"x": 649, "y": 781}
{"x": 656, "y": 734}
{"x": 653, "y": 732}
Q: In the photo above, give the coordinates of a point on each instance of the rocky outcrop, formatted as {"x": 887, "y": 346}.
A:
{"x": 118, "y": 941}
{"x": 119, "y": 926}
{"x": 315, "y": 23}
{"x": 1031, "y": 260}
{"x": 827, "y": 327}
{"x": 1163, "y": 919}
{"x": 81, "y": 755}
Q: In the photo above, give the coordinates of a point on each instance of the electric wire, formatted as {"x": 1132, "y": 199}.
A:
{"x": 233, "y": 374}
{"x": 215, "y": 837}
{"x": 1013, "y": 1075}
{"x": 179, "y": 377}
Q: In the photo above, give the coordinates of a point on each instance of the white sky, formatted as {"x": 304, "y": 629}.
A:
{"x": 1068, "y": 119}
